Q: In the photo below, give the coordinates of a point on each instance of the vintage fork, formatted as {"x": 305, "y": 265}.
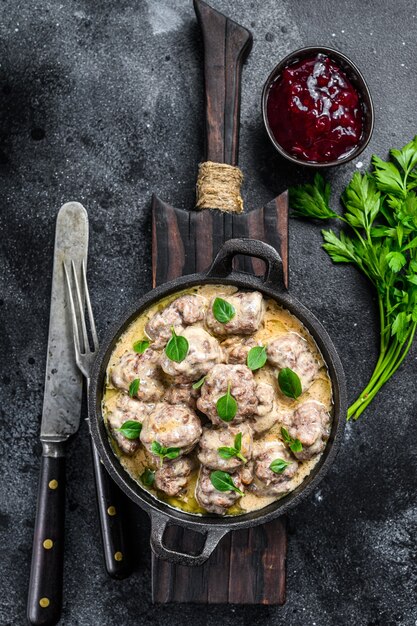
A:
{"x": 109, "y": 496}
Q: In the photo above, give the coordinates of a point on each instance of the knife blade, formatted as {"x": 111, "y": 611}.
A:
{"x": 63, "y": 380}
{"x": 60, "y": 419}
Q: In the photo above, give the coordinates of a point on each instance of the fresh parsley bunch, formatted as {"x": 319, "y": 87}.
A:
{"x": 380, "y": 239}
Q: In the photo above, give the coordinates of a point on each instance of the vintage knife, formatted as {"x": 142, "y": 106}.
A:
{"x": 60, "y": 420}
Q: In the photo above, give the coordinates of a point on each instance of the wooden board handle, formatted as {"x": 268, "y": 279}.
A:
{"x": 226, "y": 46}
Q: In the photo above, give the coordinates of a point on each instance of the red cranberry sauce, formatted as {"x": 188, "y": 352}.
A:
{"x": 314, "y": 112}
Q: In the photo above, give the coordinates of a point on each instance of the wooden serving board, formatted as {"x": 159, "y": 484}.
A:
{"x": 248, "y": 566}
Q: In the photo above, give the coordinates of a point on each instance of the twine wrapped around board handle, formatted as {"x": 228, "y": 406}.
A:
{"x": 218, "y": 187}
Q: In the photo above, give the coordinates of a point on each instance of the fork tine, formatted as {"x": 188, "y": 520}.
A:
{"x": 89, "y": 308}
{"x": 73, "y": 314}
{"x": 81, "y": 309}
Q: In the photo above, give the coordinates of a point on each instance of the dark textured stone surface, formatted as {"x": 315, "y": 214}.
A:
{"x": 101, "y": 102}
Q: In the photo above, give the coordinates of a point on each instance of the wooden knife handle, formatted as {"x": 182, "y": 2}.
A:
{"x": 226, "y": 46}
{"x": 45, "y": 586}
{"x": 109, "y": 501}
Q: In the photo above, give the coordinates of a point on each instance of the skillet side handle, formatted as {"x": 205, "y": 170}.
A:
{"x": 222, "y": 265}
{"x": 158, "y": 525}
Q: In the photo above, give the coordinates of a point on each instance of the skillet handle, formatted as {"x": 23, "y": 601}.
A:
{"x": 159, "y": 523}
{"x": 222, "y": 265}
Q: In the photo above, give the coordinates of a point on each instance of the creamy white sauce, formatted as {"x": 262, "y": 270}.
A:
{"x": 276, "y": 321}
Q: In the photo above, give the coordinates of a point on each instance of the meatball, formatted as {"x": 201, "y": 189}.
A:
{"x": 236, "y": 349}
{"x": 267, "y": 413}
{"x": 249, "y": 311}
{"x": 210, "y": 498}
{"x": 291, "y": 350}
{"x": 203, "y": 353}
{"x": 310, "y": 423}
{"x": 143, "y": 366}
{"x": 246, "y": 473}
{"x": 266, "y": 482}
{"x": 182, "y": 394}
{"x": 213, "y": 439}
{"x": 172, "y": 427}
{"x": 182, "y": 312}
{"x": 265, "y": 395}
{"x": 242, "y": 388}
{"x": 174, "y": 475}
{"x": 126, "y": 409}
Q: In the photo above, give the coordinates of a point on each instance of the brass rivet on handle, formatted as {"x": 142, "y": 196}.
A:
{"x": 118, "y": 556}
{"x": 47, "y": 544}
{"x": 53, "y": 484}
{"x": 44, "y": 602}
{"x": 111, "y": 510}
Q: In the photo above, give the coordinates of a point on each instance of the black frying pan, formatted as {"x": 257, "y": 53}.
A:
{"x": 272, "y": 286}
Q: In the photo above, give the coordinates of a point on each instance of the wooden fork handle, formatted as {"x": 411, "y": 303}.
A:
{"x": 109, "y": 503}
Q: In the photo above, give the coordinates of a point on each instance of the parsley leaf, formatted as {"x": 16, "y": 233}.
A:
{"x": 312, "y": 200}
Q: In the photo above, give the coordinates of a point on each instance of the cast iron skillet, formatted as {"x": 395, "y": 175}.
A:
{"x": 215, "y": 527}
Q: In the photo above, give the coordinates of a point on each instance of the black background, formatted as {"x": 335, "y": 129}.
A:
{"x": 101, "y": 102}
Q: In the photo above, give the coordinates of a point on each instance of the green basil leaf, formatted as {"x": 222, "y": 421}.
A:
{"x": 238, "y": 442}
{"x": 177, "y": 347}
{"x": 141, "y": 345}
{"x": 199, "y": 383}
{"x": 278, "y": 466}
{"x": 130, "y": 429}
{"x": 134, "y": 387}
{"x": 256, "y": 358}
{"x": 229, "y": 453}
{"x": 223, "y": 311}
{"x": 226, "y": 406}
{"x": 156, "y": 448}
{"x": 226, "y": 453}
{"x": 148, "y": 477}
{"x": 162, "y": 452}
{"x": 286, "y": 435}
{"x": 172, "y": 453}
{"x": 289, "y": 383}
{"x": 222, "y": 481}
{"x": 296, "y": 445}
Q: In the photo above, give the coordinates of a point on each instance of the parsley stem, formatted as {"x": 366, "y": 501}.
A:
{"x": 379, "y": 370}
{"x": 382, "y": 329}
{"x": 391, "y": 366}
